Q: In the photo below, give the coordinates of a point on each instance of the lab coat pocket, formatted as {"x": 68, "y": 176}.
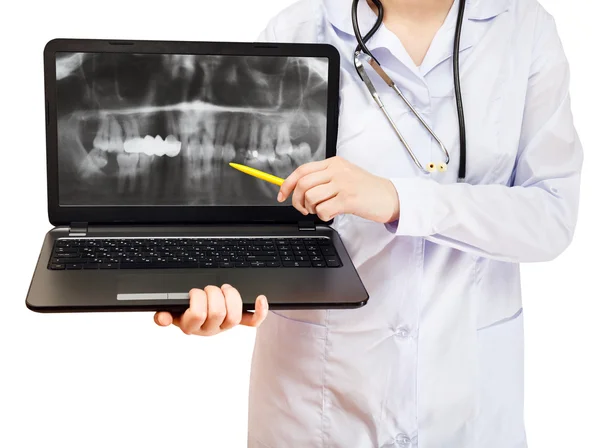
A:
{"x": 287, "y": 382}
{"x": 500, "y": 420}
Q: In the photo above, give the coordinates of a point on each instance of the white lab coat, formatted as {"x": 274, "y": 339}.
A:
{"x": 435, "y": 359}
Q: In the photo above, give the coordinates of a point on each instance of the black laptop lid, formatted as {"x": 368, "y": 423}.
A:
{"x": 143, "y": 132}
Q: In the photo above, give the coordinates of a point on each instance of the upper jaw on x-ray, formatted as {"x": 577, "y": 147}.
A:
{"x": 161, "y": 129}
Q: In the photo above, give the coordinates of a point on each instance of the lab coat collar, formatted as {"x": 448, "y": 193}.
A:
{"x": 339, "y": 15}
{"x": 339, "y": 12}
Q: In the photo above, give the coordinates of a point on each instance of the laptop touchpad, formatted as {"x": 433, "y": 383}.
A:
{"x": 156, "y": 286}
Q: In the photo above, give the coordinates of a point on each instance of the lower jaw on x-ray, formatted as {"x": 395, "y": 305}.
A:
{"x": 161, "y": 129}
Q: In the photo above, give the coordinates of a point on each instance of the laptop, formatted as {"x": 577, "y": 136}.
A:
{"x": 143, "y": 201}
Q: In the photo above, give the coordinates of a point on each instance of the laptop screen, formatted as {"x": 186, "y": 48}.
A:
{"x": 161, "y": 129}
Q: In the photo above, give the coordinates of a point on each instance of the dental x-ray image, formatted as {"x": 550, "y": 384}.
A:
{"x": 155, "y": 129}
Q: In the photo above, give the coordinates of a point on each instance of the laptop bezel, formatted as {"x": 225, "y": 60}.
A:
{"x": 64, "y": 215}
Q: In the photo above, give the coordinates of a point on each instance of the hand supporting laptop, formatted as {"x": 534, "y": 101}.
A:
{"x": 214, "y": 310}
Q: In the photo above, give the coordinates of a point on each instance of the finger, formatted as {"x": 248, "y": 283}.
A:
{"x": 261, "y": 309}
{"x": 329, "y": 209}
{"x": 290, "y": 183}
{"x": 216, "y": 309}
{"x": 163, "y": 319}
{"x": 318, "y": 194}
{"x": 305, "y": 184}
{"x": 195, "y": 315}
{"x": 233, "y": 305}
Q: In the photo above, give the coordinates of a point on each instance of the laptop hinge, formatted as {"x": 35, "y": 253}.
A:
{"x": 306, "y": 225}
{"x": 78, "y": 229}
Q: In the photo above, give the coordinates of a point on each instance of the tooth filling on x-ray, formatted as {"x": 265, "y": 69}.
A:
{"x": 146, "y": 129}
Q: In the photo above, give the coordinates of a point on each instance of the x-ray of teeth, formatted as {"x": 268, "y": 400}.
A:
{"x": 151, "y": 129}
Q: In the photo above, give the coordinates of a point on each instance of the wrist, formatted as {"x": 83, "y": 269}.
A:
{"x": 394, "y": 201}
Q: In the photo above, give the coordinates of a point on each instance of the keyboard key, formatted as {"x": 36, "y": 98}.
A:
{"x": 227, "y": 264}
{"x": 90, "y": 266}
{"x": 132, "y": 265}
{"x": 65, "y": 243}
{"x": 273, "y": 264}
{"x": 328, "y": 251}
{"x": 296, "y": 264}
{"x": 204, "y": 264}
{"x": 57, "y": 266}
{"x": 184, "y": 265}
{"x": 258, "y": 264}
{"x": 332, "y": 262}
{"x": 242, "y": 264}
{"x": 319, "y": 264}
{"x": 109, "y": 266}
{"x": 66, "y": 255}
{"x": 66, "y": 250}
{"x": 260, "y": 258}
{"x": 64, "y": 260}
{"x": 74, "y": 266}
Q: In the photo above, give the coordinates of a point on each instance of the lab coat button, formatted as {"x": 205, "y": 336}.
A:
{"x": 403, "y": 441}
{"x": 403, "y": 333}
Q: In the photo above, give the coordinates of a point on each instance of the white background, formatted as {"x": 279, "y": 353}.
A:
{"x": 103, "y": 380}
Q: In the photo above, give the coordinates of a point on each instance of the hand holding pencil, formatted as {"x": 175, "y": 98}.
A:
{"x": 334, "y": 186}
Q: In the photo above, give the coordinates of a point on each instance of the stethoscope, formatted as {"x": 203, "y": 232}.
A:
{"x": 363, "y": 52}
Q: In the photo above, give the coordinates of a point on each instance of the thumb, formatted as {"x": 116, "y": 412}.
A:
{"x": 260, "y": 313}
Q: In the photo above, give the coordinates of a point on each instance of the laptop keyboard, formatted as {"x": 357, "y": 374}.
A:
{"x": 179, "y": 253}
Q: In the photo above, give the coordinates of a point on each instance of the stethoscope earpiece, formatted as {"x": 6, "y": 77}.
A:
{"x": 432, "y": 167}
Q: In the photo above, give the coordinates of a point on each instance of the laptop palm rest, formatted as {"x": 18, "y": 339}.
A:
{"x": 163, "y": 285}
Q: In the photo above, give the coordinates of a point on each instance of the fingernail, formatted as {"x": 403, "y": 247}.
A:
{"x": 226, "y": 285}
{"x": 279, "y": 197}
{"x": 263, "y": 302}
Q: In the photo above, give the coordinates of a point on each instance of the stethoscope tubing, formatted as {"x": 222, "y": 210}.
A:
{"x": 362, "y": 50}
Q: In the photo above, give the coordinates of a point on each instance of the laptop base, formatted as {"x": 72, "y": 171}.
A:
{"x": 167, "y": 289}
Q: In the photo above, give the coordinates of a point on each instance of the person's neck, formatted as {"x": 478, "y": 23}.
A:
{"x": 415, "y": 10}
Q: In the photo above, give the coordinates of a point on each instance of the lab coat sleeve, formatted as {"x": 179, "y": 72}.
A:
{"x": 268, "y": 33}
{"x": 533, "y": 218}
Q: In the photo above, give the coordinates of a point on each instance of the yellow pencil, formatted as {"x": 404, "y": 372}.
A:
{"x": 257, "y": 173}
